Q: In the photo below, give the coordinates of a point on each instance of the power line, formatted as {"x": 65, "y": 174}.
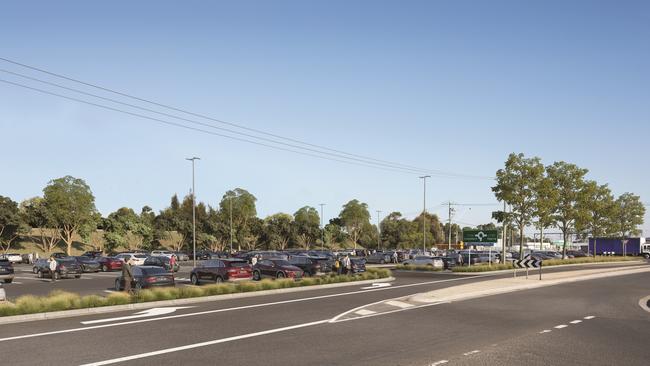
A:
{"x": 367, "y": 160}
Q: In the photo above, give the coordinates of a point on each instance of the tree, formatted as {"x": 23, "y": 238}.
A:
{"x": 36, "y": 215}
{"x": 545, "y": 203}
{"x": 243, "y": 211}
{"x": 126, "y": 229}
{"x": 306, "y": 224}
{"x": 597, "y": 207}
{"x": 516, "y": 186}
{"x": 628, "y": 216}
{"x": 278, "y": 230}
{"x": 568, "y": 180}
{"x": 11, "y": 223}
{"x": 71, "y": 206}
{"x": 355, "y": 217}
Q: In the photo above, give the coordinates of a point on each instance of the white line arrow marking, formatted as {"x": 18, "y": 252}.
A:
{"x": 376, "y": 285}
{"x": 141, "y": 314}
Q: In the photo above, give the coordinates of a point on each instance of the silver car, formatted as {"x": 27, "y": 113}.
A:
{"x": 423, "y": 260}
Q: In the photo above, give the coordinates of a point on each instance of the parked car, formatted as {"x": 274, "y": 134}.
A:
{"x": 208, "y": 254}
{"x": 92, "y": 254}
{"x": 550, "y": 254}
{"x": 12, "y": 257}
{"x": 165, "y": 253}
{"x": 379, "y": 258}
{"x": 276, "y": 268}
{"x": 132, "y": 258}
{"x": 423, "y": 260}
{"x": 59, "y": 255}
{"x": 576, "y": 253}
{"x": 182, "y": 256}
{"x": 110, "y": 264}
{"x": 146, "y": 277}
{"x": 3, "y": 295}
{"x": 65, "y": 267}
{"x": 449, "y": 262}
{"x": 88, "y": 264}
{"x": 6, "y": 271}
{"x": 311, "y": 266}
{"x": 219, "y": 270}
{"x": 358, "y": 265}
{"x": 161, "y": 261}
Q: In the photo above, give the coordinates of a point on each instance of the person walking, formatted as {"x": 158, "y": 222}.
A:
{"x": 394, "y": 257}
{"x": 254, "y": 260}
{"x": 127, "y": 275}
{"x": 172, "y": 263}
{"x": 30, "y": 258}
{"x": 460, "y": 259}
{"x": 51, "y": 263}
{"x": 337, "y": 266}
{"x": 347, "y": 264}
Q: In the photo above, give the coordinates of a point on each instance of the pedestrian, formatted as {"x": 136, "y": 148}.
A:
{"x": 52, "y": 266}
{"x": 460, "y": 259}
{"x": 30, "y": 258}
{"x": 347, "y": 264}
{"x": 254, "y": 260}
{"x": 172, "y": 262}
{"x": 127, "y": 276}
{"x": 337, "y": 266}
{"x": 395, "y": 257}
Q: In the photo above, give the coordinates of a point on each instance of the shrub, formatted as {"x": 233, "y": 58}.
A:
{"x": 409, "y": 267}
{"x": 118, "y": 298}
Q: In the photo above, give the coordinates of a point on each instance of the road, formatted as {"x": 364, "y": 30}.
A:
{"x": 295, "y": 329}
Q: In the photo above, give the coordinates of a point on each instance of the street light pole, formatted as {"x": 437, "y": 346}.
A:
{"x": 193, "y": 159}
{"x": 378, "y": 232}
{"x": 230, "y": 201}
{"x": 424, "y": 211}
{"x": 449, "y": 243}
{"x": 322, "y": 228}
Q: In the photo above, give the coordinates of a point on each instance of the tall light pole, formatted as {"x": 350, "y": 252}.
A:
{"x": 230, "y": 201}
{"x": 424, "y": 211}
{"x": 193, "y": 159}
{"x": 450, "y": 212}
{"x": 322, "y": 228}
{"x": 378, "y": 232}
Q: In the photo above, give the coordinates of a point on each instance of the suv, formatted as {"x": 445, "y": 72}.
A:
{"x": 161, "y": 261}
{"x": 219, "y": 270}
{"x": 310, "y": 265}
{"x": 65, "y": 267}
{"x": 6, "y": 271}
{"x": 275, "y": 268}
{"x": 135, "y": 259}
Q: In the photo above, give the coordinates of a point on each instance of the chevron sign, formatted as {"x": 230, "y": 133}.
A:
{"x": 527, "y": 263}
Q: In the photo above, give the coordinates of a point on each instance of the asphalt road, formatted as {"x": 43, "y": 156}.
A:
{"x": 294, "y": 329}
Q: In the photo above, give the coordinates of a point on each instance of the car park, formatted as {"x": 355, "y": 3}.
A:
{"x": 219, "y": 270}
{"x": 108, "y": 264}
{"x": 276, "y": 268}
{"x": 146, "y": 277}
{"x": 423, "y": 260}
{"x": 134, "y": 259}
{"x": 12, "y": 257}
{"x": 65, "y": 267}
{"x": 161, "y": 261}
{"x": 88, "y": 264}
{"x": 6, "y": 271}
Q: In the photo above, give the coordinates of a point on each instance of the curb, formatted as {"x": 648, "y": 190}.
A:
{"x": 625, "y": 263}
{"x": 192, "y": 300}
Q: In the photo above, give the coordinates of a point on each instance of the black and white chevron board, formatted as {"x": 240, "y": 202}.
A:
{"x": 527, "y": 263}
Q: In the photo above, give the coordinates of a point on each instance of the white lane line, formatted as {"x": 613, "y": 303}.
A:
{"x": 364, "y": 312}
{"x": 576, "y": 322}
{"x": 471, "y": 352}
{"x": 441, "y": 362}
{"x": 399, "y": 304}
{"x": 561, "y": 326}
{"x": 204, "y": 344}
{"x": 589, "y": 317}
{"x": 71, "y": 330}
{"x": 109, "y": 291}
{"x": 545, "y": 331}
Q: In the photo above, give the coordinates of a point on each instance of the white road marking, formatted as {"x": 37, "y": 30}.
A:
{"x": 71, "y": 330}
{"x": 576, "y": 322}
{"x": 561, "y": 326}
{"x": 377, "y": 285}
{"x": 589, "y": 317}
{"x": 141, "y": 314}
{"x": 441, "y": 362}
{"x": 204, "y": 344}
{"x": 365, "y": 312}
{"x": 643, "y": 303}
{"x": 399, "y": 304}
{"x": 545, "y": 331}
{"x": 110, "y": 291}
{"x": 471, "y": 352}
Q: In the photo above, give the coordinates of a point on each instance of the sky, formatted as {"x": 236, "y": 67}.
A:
{"x": 450, "y": 86}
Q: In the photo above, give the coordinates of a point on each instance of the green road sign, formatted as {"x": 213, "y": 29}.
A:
{"x": 480, "y": 236}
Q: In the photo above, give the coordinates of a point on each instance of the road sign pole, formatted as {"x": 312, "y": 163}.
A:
{"x": 540, "y": 270}
{"x": 526, "y": 272}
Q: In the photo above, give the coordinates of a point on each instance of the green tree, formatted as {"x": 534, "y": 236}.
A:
{"x": 544, "y": 206}
{"x": 12, "y": 225}
{"x": 628, "y": 216}
{"x": 306, "y": 222}
{"x": 243, "y": 212}
{"x": 568, "y": 180}
{"x": 355, "y": 217}
{"x": 126, "y": 229}
{"x": 278, "y": 230}
{"x": 71, "y": 206}
{"x": 516, "y": 186}
{"x": 598, "y": 208}
{"x": 36, "y": 215}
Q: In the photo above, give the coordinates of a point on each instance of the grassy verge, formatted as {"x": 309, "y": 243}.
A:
{"x": 410, "y": 267}
{"x": 547, "y": 263}
{"x": 60, "y": 300}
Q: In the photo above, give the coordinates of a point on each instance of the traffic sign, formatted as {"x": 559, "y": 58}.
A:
{"x": 480, "y": 237}
{"x": 527, "y": 263}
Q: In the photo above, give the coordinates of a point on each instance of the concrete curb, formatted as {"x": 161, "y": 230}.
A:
{"x": 625, "y": 263}
{"x": 193, "y": 300}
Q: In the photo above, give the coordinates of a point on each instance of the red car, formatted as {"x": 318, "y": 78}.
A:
{"x": 219, "y": 270}
{"x": 110, "y": 264}
{"x": 276, "y": 268}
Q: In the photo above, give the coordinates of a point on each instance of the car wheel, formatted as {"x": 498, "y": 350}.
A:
{"x": 117, "y": 285}
{"x": 646, "y": 256}
{"x": 104, "y": 268}
{"x": 194, "y": 280}
{"x": 77, "y": 276}
{"x": 382, "y": 261}
{"x": 39, "y": 274}
{"x": 280, "y": 275}
{"x": 8, "y": 280}
{"x": 257, "y": 276}
{"x": 218, "y": 279}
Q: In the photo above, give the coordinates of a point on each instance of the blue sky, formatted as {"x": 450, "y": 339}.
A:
{"x": 446, "y": 85}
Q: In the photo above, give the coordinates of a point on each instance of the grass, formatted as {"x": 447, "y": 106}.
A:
{"x": 410, "y": 267}
{"x": 60, "y": 300}
{"x": 547, "y": 263}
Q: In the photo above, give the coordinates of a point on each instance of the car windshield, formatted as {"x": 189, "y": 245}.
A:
{"x": 140, "y": 256}
{"x": 67, "y": 260}
{"x": 281, "y": 263}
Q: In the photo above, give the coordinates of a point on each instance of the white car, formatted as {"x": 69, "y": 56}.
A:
{"x": 423, "y": 260}
{"x": 132, "y": 258}
{"x": 162, "y": 253}
{"x": 12, "y": 257}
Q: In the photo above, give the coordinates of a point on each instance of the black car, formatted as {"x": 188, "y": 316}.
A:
{"x": 312, "y": 266}
{"x": 88, "y": 264}
{"x": 161, "y": 261}
{"x": 358, "y": 265}
{"x": 65, "y": 267}
{"x": 275, "y": 268}
{"x": 146, "y": 277}
{"x": 92, "y": 254}
{"x": 379, "y": 258}
{"x": 6, "y": 271}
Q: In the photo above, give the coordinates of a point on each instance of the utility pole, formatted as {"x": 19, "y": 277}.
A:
{"x": 504, "y": 234}
{"x": 378, "y": 232}
{"x": 193, "y": 159}
{"x": 230, "y": 201}
{"x": 322, "y": 228}
{"x": 449, "y": 243}
{"x": 424, "y": 211}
